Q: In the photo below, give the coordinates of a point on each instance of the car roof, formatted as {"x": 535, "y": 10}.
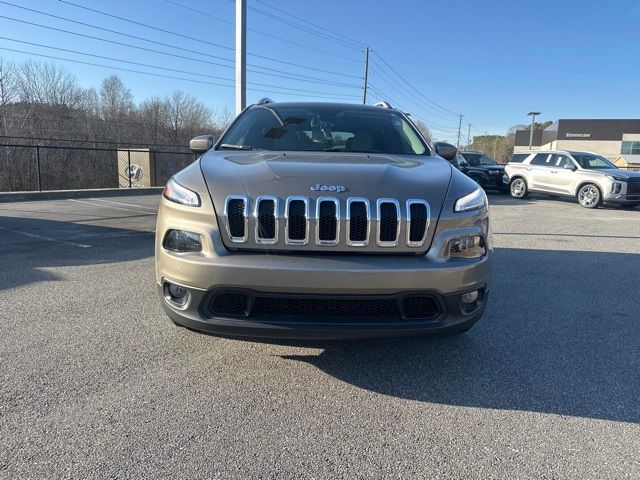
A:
{"x": 357, "y": 106}
{"x": 567, "y": 152}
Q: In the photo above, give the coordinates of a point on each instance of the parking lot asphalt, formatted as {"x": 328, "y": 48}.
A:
{"x": 95, "y": 381}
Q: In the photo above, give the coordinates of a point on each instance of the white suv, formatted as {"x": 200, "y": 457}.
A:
{"x": 589, "y": 177}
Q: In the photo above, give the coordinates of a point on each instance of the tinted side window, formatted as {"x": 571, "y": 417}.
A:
{"x": 518, "y": 157}
{"x": 560, "y": 161}
{"x": 541, "y": 159}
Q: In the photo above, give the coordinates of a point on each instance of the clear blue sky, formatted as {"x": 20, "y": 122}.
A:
{"x": 491, "y": 61}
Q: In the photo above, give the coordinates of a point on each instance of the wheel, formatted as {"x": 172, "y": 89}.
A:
{"x": 589, "y": 196}
{"x": 518, "y": 188}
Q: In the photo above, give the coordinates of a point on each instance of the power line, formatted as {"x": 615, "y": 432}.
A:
{"x": 408, "y": 94}
{"x": 432, "y": 126}
{"x": 355, "y": 42}
{"x": 174, "y": 55}
{"x": 312, "y": 94}
{"x": 260, "y": 32}
{"x": 382, "y": 96}
{"x": 148, "y": 65}
{"x": 305, "y": 29}
{"x": 160, "y": 43}
{"x": 414, "y": 88}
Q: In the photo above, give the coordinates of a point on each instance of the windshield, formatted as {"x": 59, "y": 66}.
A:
{"x": 478, "y": 159}
{"x": 590, "y": 161}
{"x": 324, "y": 128}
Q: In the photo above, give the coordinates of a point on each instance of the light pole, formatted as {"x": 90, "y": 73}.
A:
{"x": 241, "y": 55}
{"x": 533, "y": 121}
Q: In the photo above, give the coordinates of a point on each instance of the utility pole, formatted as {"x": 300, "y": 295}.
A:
{"x": 469, "y": 136}
{"x": 366, "y": 75}
{"x": 533, "y": 120}
{"x": 459, "y": 128}
{"x": 241, "y": 55}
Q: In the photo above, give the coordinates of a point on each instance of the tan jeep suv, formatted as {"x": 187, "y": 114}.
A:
{"x": 323, "y": 220}
{"x": 589, "y": 177}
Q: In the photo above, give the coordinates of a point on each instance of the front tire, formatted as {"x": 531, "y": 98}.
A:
{"x": 518, "y": 188}
{"x": 589, "y": 196}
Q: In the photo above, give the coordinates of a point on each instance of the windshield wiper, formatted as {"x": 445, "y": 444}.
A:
{"x": 230, "y": 146}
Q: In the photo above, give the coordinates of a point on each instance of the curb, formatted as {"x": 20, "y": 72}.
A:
{"x": 6, "y": 197}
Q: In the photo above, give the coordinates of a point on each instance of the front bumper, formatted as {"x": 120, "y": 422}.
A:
{"x": 321, "y": 277}
{"x": 621, "y": 199}
{"x": 496, "y": 181}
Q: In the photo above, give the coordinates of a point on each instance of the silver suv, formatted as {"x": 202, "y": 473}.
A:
{"x": 589, "y": 177}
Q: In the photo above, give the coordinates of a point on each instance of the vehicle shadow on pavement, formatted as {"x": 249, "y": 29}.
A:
{"x": 561, "y": 335}
{"x": 31, "y": 245}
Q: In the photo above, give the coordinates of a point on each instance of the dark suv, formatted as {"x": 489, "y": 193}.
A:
{"x": 483, "y": 169}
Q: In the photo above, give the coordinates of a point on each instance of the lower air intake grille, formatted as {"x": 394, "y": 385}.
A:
{"x": 317, "y": 308}
{"x": 633, "y": 188}
{"x": 229, "y": 304}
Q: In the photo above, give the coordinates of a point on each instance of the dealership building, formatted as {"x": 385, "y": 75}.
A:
{"x": 617, "y": 140}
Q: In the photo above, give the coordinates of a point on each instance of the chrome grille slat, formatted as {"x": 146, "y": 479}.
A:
{"x": 384, "y": 219}
{"x": 354, "y": 223}
{"x": 323, "y": 218}
{"x": 236, "y": 210}
{"x": 327, "y": 224}
{"x": 267, "y": 221}
{"x": 417, "y": 227}
{"x": 293, "y": 219}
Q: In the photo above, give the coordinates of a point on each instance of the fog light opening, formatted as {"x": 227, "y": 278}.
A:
{"x": 176, "y": 294}
{"x": 471, "y": 301}
{"x": 470, "y": 297}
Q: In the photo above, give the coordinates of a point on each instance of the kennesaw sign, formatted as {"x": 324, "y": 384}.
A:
{"x": 577, "y": 135}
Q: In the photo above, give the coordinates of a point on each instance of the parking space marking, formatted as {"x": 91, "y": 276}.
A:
{"x": 48, "y": 239}
{"x": 103, "y": 205}
{"x": 113, "y": 202}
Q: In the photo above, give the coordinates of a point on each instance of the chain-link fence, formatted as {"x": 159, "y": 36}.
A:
{"x": 39, "y": 167}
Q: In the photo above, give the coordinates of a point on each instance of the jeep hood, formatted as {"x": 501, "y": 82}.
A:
{"x": 285, "y": 174}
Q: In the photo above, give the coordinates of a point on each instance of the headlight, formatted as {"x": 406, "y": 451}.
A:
{"x": 474, "y": 201}
{"x": 616, "y": 178}
{"x": 175, "y": 192}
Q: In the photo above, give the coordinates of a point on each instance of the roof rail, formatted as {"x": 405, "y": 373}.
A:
{"x": 384, "y": 104}
{"x": 264, "y": 101}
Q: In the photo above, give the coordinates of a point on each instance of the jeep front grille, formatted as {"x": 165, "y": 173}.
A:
{"x": 326, "y": 221}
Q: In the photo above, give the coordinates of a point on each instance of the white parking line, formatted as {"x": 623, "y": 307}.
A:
{"x": 113, "y": 202}
{"x": 48, "y": 239}
{"x": 103, "y": 205}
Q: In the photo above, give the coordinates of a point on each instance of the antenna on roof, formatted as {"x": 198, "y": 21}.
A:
{"x": 264, "y": 101}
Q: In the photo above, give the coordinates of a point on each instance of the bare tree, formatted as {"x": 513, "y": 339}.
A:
{"x": 186, "y": 116}
{"x": 422, "y": 127}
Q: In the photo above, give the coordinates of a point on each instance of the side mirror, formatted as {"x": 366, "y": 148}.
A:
{"x": 202, "y": 143}
{"x": 569, "y": 166}
{"x": 446, "y": 150}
